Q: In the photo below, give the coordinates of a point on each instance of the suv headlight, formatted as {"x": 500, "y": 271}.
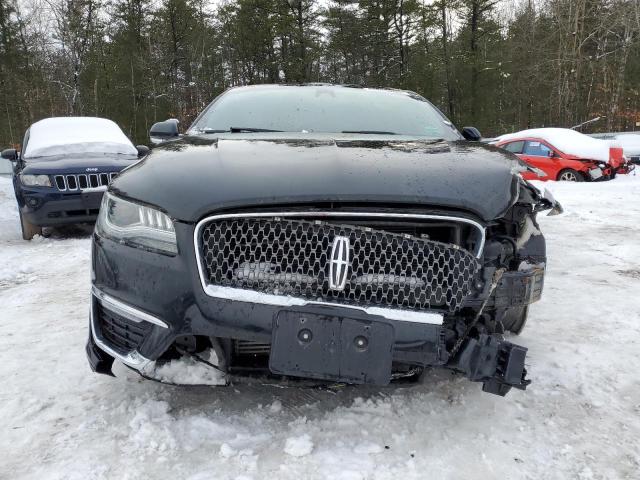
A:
{"x": 35, "y": 180}
{"x": 136, "y": 225}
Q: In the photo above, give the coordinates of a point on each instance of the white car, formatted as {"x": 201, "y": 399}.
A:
{"x": 629, "y": 141}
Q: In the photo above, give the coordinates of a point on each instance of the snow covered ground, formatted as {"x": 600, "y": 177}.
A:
{"x": 579, "y": 419}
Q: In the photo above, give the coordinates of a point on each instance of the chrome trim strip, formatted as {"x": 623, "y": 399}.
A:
{"x": 417, "y": 216}
{"x": 125, "y": 309}
{"x": 251, "y": 296}
{"x": 269, "y": 299}
{"x": 96, "y": 189}
{"x": 132, "y": 359}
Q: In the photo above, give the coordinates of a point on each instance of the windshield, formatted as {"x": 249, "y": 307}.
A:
{"x": 324, "y": 109}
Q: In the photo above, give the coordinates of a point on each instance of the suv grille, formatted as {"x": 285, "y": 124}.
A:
{"x": 293, "y": 257}
{"x": 82, "y": 181}
{"x": 121, "y": 334}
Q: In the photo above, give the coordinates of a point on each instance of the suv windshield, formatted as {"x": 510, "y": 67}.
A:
{"x": 324, "y": 109}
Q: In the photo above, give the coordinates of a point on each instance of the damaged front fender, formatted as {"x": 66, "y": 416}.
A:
{"x": 556, "y": 208}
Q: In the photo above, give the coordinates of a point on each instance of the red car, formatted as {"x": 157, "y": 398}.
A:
{"x": 563, "y": 154}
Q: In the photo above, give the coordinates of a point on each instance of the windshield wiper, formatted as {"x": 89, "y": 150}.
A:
{"x": 249, "y": 129}
{"x": 234, "y": 130}
{"x": 369, "y": 132}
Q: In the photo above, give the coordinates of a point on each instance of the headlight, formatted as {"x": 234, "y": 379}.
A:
{"x": 136, "y": 225}
{"x": 35, "y": 180}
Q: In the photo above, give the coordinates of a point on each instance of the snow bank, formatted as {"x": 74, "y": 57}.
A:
{"x": 9, "y": 220}
{"x": 298, "y": 446}
{"x": 64, "y": 135}
{"x": 6, "y": 167}
{"x": 568, "y": 141}
{"x": 189, "y": 371}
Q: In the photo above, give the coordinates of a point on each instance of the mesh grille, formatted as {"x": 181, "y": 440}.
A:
{"x": 121, "y": 334}
{"x": 292, "y": 257}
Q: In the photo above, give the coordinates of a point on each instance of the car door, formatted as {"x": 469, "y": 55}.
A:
{"x": 541, "y": 156}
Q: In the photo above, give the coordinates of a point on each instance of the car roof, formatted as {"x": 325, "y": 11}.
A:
{"x": 263, "y": 86}
{"x": 69, "y": 135}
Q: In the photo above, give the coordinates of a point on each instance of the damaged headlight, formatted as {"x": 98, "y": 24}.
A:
{"x": 136, "y": 225}
{"x": 35, "y": 180}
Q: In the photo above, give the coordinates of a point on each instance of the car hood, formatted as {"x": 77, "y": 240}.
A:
{"x": 63, "y": 164}
{"x": 196, "y": 176}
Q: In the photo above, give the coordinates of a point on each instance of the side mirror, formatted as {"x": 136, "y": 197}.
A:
{"x": 551, "y": 154}
{"x": 143, "y": 150}
{"x": 10, "y": 154}
{"x": 163, "y": 131}
{"x": 472, "y": 134}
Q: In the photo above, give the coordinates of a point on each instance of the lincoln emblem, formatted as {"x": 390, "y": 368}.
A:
{"x": 339, "y": 265}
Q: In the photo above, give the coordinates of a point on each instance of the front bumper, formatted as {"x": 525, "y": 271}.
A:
{"x": 47, "y": 209}
{"x": 497, "y": 364}
{"x": 628, "y": 167}
{"x": 164, "y": 294}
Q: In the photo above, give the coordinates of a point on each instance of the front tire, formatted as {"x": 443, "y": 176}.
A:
{"x": 570, "y": 175}
{"x": 515, "y": 319}
{"x": 29, "y": 230}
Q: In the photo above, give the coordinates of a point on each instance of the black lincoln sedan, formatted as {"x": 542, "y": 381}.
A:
{"x": 326, "y": 232}
{"x": 64, "y": 167}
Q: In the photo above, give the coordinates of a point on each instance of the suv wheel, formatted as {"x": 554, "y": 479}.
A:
{"x": 29, "y": 230}
{"x": 570, "y": 175}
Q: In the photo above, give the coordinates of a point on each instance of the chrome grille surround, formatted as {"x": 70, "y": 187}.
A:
{"x": 82, "y": 181}
{"x": 275, "y": 256}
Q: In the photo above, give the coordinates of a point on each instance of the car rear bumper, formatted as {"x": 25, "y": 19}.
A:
{"x": 51, "y": 209}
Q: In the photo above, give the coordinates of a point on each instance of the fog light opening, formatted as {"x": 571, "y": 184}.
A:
{"x": 191, "y": 360}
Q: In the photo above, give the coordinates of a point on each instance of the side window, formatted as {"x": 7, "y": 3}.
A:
{"x": 514, "y": 147}
{"x": 536, "y": 149}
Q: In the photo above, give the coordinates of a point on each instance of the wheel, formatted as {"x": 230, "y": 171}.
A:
{"x": 515, "y": 319}
{"x": 570, "y": 175}
{"x": 29, "y": 230}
